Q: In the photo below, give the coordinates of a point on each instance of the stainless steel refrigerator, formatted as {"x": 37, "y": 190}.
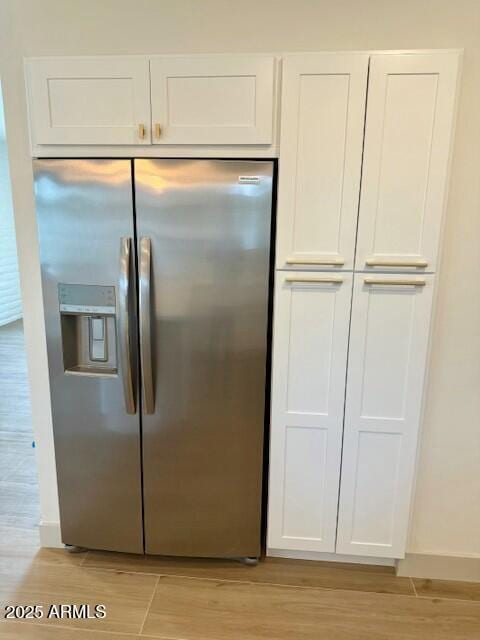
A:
{"x": 155, "y": 283}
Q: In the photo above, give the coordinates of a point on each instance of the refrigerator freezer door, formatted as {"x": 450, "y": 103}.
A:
{"x": 209, "y": 229}
{"x": 84, "y": 208}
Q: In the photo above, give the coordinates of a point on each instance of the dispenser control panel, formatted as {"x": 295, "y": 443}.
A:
{"x": 89, "y": 328}
{"x": 89, "y": 299}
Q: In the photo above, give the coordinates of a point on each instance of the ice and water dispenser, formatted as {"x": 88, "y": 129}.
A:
{"x": 88, "y": 328}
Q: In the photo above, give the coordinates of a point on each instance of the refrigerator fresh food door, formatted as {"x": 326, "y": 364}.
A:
{"x": 85, "y": 220}
{"x": 204, "y": 240}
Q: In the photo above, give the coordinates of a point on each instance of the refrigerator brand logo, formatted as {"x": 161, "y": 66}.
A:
{"x": 248, "y": 179}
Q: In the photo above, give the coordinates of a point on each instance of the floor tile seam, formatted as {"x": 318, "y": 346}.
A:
{"x": 448, "y": 599}
{"x": 413, "y": 586}
{"x": 250, "y": 582}
{"x": 149, "y": 605}
{"x": 430, "y": 597}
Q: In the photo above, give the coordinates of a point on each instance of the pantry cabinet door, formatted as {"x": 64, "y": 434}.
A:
{"x": 311, "y": 319}
{"x": 386, "y": 369}
{"x": 409, "y": 124}
{"x": 323, "y": 109}
{"x": 89, "y": 100}
{"x": 213, "y": 100}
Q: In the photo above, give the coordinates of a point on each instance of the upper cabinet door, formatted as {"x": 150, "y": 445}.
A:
{"x": 91, "y": 100}
{"x": 224, "y": 99}
{"x": 386, "y": 368}
{"x": 323, "y": 109}
{"x": 312, "y": 314}
{"x": 410, "y": 113}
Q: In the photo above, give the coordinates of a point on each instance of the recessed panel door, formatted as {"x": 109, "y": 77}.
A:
{"x": 323, "y": 109}
{"x": 385, "y": 382}
{"x": 409, "y": 126}
{"x": 214, "y": 100}
{"x": 311, "y": 318}
{"x": 89, "y": 100}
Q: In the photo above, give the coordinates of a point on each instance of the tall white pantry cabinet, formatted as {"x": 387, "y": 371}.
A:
{"x": 364, "y": 159}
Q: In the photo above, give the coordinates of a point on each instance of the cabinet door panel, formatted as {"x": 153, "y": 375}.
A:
{"x": 323, "y": 107}
{"x": 89, "y": 100}
{"x": 407, "y": 140}
{"x": 212, "y": 99}
{"x": 308, "y": 383}
{"x": 386, "y": 368}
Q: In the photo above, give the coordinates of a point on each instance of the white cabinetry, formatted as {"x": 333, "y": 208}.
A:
{"x": 386, "y": 369}
{"x": 312, "y": 313}
{"x": 411, "y": 101}
{"x": 164, "y": 100}
{"x": 323, "y": 108}
{"x": 89, "y": 100}
{"x": 363, "y": 176}
{"x": 212, "y": 99}
{"x": 356, "y": 501}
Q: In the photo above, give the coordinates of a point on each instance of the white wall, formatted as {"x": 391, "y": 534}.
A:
{"x": 446, "y": 516}
{"x": 10, "y": 303}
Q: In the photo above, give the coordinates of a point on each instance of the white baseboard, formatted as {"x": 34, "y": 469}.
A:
{"x": 440, "y": 567}
{"x": 50, "y": 535}
{"x": 329, "y": 557}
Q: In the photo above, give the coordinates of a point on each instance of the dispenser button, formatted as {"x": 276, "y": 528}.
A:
{"x": 98, "y": 350}
{"x": 98, "y": 340}
{"x": 98, "y": 332}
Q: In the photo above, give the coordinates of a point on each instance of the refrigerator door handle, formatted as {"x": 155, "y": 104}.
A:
{"x": 145, "y": 325}
{"x": 124, "y": 324}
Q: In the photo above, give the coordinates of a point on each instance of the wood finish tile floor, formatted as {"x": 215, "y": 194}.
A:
{"x": 19, "y": 502}
{"x": 188, "y": 599}
{"x": 151, "y": 597}
{"x": 15, "y": 415}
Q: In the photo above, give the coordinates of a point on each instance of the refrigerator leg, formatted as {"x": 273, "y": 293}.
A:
{"x": 71, "y": 548}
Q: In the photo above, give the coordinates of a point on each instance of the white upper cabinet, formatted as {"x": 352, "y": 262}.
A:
{"x": 312, "y": 312}
{"x": 216, "y": 100}
{"x": 386, "y": 368}
{"x": 322, "y": 121}
{"x": 89, "y": 100}
{"x": 410, "y": 113}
